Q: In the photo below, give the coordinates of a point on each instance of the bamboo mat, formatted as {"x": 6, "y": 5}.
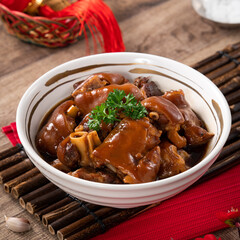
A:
{"x": 69, "y": 218}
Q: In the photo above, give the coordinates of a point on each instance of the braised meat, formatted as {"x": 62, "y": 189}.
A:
{"x": 169, "y": 118}
{"x": 58, "y": 127}
{"x": 97, "y": 81}
{"x": 194, "y": 132}
{"x": 147, "y": 87}
{"x": 172, "y": 162}
{"x": 130, "y": 151}
{"x": 96, "y": 175}
{"x": 86, "y": 101}
{"x": 138, "y": 135}
{"x": 68, "y": 154}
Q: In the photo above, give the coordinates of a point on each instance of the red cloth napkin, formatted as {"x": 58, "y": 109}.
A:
{"x": 190, "y": 214}
{"x": 11, "y": 133}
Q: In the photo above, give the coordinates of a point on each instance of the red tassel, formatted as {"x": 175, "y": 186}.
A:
{"x": 98, "y": 18}
{"x": 16, "y": 5}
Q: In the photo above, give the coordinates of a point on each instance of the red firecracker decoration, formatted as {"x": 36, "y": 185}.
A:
{"x": 58, "y": 28}
{"x": 230, "y": 218}
{"x": 208, "y": 237}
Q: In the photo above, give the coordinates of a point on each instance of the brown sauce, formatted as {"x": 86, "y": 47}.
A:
{"x": 131, "y": 149}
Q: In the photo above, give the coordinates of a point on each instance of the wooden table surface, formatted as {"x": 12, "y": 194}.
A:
{"x": 166, "y": 28}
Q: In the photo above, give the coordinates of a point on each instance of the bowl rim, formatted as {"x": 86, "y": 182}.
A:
{"x": 119, "y": 187}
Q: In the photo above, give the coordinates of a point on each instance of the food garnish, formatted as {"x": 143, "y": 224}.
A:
{"x": 117, "y": 103}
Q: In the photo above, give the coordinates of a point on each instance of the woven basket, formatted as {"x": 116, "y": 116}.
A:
{"x": 57, "y": 32}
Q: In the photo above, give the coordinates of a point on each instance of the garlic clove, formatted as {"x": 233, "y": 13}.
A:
{"x": 17, "y": 224}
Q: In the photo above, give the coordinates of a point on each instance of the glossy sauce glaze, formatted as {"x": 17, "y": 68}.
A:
{"x": 86, "y": 101}
{"x": 126, "y": 145}
{"x": 57, "y": 128}
{"x": 169, "y": 140}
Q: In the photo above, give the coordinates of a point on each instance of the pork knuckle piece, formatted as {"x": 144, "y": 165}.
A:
{"x": 169, "y": 118}
{"x": 99, "y": 175}
{"x": 131, "y": 151}
{"x": 68, "y": 154}
{"x": 97, "y": 81}
{"x": 147, "y": 87}
{"x": 172, "y": 162}
{"x": 58, "y": 127}
{"x": 86, "y": 101}
{"x": 193, "y": 130}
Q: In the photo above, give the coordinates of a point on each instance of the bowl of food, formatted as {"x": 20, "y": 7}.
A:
{"x": 123, "y": 129}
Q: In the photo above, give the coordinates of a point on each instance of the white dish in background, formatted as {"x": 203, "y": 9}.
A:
{"x": 226, "y": 13}
{"x": 203, "y": 96}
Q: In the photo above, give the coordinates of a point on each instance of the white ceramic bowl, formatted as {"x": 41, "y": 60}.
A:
{"x": 223, "y": 13}
{"x": 203, "y": 96}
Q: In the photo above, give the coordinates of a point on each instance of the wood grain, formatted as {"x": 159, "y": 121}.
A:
{"x": 157, "y": 27}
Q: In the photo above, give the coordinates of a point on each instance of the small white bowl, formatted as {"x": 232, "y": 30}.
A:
{"x": 203, "y": 96}
{"x": 223, "y": 13}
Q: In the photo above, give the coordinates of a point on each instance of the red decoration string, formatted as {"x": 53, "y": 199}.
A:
{"x": 16, "y": 5}
{"x": 97, "y": 17}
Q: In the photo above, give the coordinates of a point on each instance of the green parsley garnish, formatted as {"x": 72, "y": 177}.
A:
{"x": 116, "y": 103}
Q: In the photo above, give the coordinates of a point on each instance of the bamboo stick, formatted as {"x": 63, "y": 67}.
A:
{"x": 229, "y": 149}
{"x": 107, "y": 223}
{"x": 52, "y": 207}
{"x": 234, "y": 133}
{"x": 15, "y": 170}
{"x": 28, "y": 185}
{"x": 222, "y": 60}
{"x": 59, "y": 213}
{"x": 220, "y": 167}
{"x": 63, "y": 220}
{"x": 233, "y": 97}
{"x": 235, "y": 107}
{"x": 236, "y": 117}
{"x": 10, "y": 151}
{"x": 221, "y": 70}
{"x": 43, "y": 201}
{"x": 206, "y": 61}
{"x": 11, "y": 160}
{"x": 231, "y": 85}
{"x": 68, "y": 213}
{"x": 235, "y": 125}
{"x": 23, "y": 177}
{"x": 36, "y": 193}
{"x": 83, "y": 222}
{"x": 33, "y": 183}
{"x": 227, "y": 76}
{"x": 218, "y": 54}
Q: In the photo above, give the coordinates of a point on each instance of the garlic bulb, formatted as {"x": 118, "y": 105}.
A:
{"x": 17, "y": 224}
